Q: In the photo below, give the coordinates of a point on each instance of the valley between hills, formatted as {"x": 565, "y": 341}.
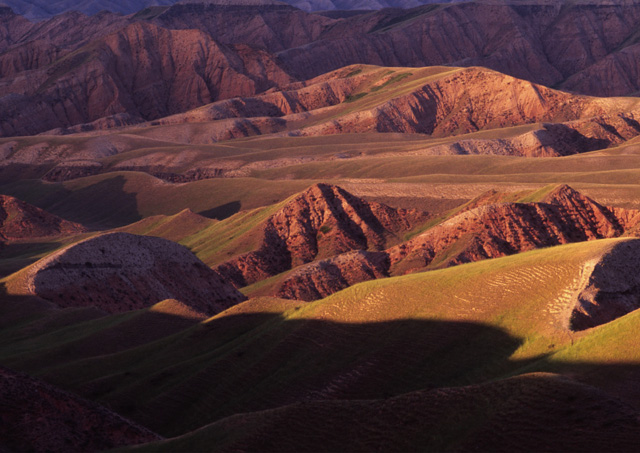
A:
{"x": 311, "y": 226}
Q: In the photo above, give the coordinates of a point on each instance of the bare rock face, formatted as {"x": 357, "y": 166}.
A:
{"x": 322, "y": 278}
{"x": 273, "y": 26}
{"x": 119, "y": 272}
{"x": 492, "y": 231}
{"x": 20, "y": 220}
{"x": 36, "y": 416}
{"x": 614, "y": 75}
{"x": 321, "y": 222}
{"x": 142, "y": 70}
{"x": 487, "y": 228}
{"x": 544, "y": 42}
{"x": 470, "y": 100}
{"x": 611, "y": 287}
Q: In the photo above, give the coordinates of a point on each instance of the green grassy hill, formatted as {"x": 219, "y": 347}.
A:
{"x": 465, "y": 325}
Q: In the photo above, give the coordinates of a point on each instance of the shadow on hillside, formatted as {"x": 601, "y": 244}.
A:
{"x": 223, "y": 211}
{"x": 173, "y": 376}
{"x": 31, "y": 319}
{"x": 16, "y": 172}
{"x": 105, "y": 204}
{"x": 101, "y": 205}
{"x": 17, "y": 255}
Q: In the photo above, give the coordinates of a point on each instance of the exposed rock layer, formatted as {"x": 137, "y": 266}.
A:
{"x": 486, "y": 228}
{"x": 611, "y": 287}
{"x": 321, "y": 222}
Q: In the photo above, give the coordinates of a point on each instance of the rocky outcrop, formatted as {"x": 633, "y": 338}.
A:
{"x": 319, "y": 223}
{"x": 39, "y": 417}
{"x": 119, "y": 272}
{"x": 491, "y": 231}
{"x": 20, "y": 220}
{"x": 317, "y": 280}
{"x": 487, "y": 227}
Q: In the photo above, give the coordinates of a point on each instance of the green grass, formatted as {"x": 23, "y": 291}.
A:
{"x": 446, "y": 327}
{"x": 355, "y": 97}
{"x": 539, "y": 195}
{"x": 392, "y": 80}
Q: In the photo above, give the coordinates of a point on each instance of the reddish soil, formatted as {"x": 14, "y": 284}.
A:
{"x": 486, "y": 228}
{"x": 321, "y": 222}
{"x": 20, "y": 220}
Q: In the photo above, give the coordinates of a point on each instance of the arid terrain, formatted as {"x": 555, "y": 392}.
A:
{"x": 319, "y": 225}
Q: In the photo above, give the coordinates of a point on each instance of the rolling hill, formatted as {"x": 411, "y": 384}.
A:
{"x": 37, "y": 416}
{"x": 428, "y": 111}
{"x": 510, "y": 315}
{"x": 120, "y": 272}
{"x": 319, "y": 225}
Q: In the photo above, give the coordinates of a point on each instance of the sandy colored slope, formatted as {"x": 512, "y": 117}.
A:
{"x": 453, "y": 111}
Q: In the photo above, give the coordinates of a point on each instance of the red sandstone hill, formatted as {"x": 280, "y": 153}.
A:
{"x": 20, "y": 220}
{"x": 562, "y": 217}
{"x": 142, "y": 70}
{"x": 70, "y": 56}
{"x": 544, "y": 42}
{"x": 321, "y": 222}
{"x": 119, "y": 272}
{"x": 484, "y": 229}
{"x": 36, "y": 416}
{"x": 439, "y": 101}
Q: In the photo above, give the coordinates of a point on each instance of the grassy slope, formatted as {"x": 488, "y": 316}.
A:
{"x": 450, "y": 327}
{"x": 518, "y": 414}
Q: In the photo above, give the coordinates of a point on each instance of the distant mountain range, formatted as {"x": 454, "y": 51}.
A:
{"x": 73, "y": 69}
{"x": 41, "y": 9}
